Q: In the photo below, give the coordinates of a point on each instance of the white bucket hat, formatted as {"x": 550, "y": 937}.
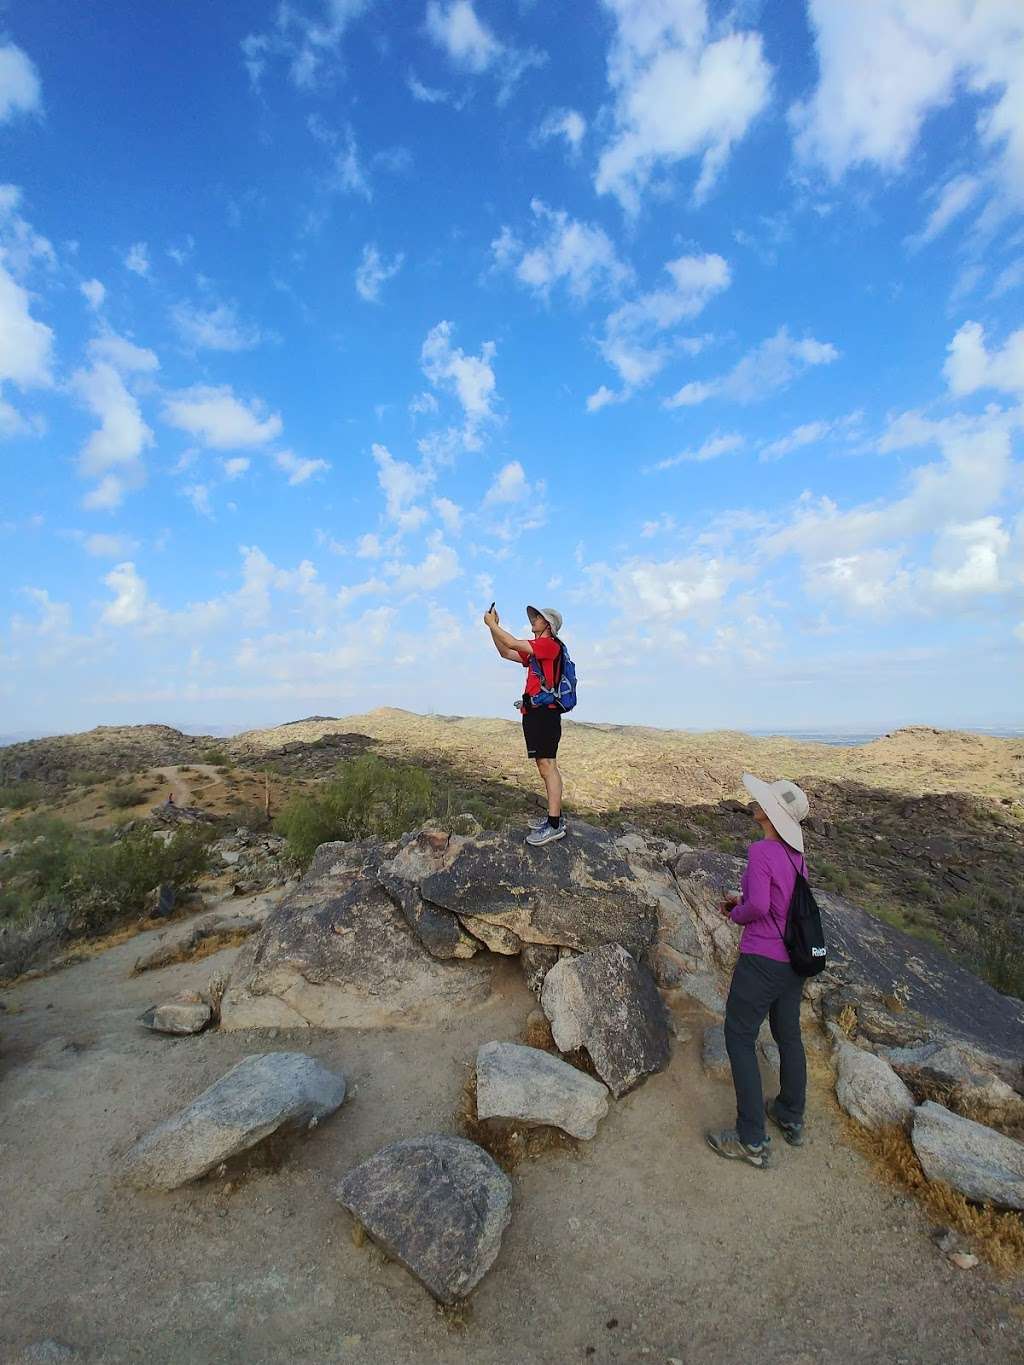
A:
{"x": 784, "y": 804}
{"x": 550, "y": 614}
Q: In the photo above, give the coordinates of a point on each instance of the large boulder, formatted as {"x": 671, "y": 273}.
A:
{"x": 336, "y": 953}
{"x": 438, "y": 1205}
{"x": 420, "y": 855}
{"x": 982, "y": 1164}
{"x": 868, "y": 1089}
{"x": 606, "y": 1002}
{"x": 947, "y": 1070}
{"x": 267, "y": 1093}
{"x": 578, "y": 893}
{"x": 530, "y": 1086}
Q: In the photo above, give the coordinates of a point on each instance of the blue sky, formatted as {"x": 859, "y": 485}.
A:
{"x": 324, "y": 323}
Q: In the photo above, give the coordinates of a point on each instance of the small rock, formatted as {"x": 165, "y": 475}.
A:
{"x": 178, "y": 1015}
{"x": 868, "y": 1089}
{"x": 161, "y": 900}
{"x": 262, "y": 1094}
{"x": 964, "y": 1260}
{"x": 536, "y": 960}
{"x": 515, "y": 1082}
{"x": 438, "y": 1205}
{"x": 230, "y": 856}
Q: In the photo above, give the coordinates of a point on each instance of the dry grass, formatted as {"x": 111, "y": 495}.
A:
{"x": 995, "y": 1237}
{"x": 191, "y": 951}
{"x": 971, "y": 1106}
{"x": 510, "y": 1142}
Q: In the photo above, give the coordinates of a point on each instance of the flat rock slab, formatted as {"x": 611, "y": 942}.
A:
{"x": 979, "y": 1162}
{"x": 439, "y": 1205}
{"x": 266, "y": 1093}
{"x": 337, "y": 953}
{"x": 606, "y": 1002}
{"x": 577, "y": 893}
{"x": 531, "y": 1086}
{"x": 868, "y": 1089}
{"x": 420, "y": 855}
{"x": 952, "y": 1070}
{"x": 178, "y": 1016}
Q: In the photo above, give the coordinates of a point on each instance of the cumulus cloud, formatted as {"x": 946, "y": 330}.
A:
{"x": 374, "y": 271}
{"x": 298, "y": 470}
{"x": 23, "y": 247}
{"x": 678, "y": 93}
{"x": 879, "y": 80}
{"x": 130, "y": 605}
{"x": 26, "y": 344}
{"x": 649, "y": 591}
{"x": 563, "y": 250}
{"x": 450, "y": 514}
{"x": 470, "y": 378}
{"x": 20, "y": 89}
{"x": 137, "y": 259}
{"x": 568, "y": 124}
{"x": 439, "y": 566}
{"x": 109, "y": 546}
{"x": 112, "y": 455}
{"x": 214, "y": 416}
{"x": 94, "y": 293}
{"x": 970, "y": 366}
{"x": 637, "y": 341}
{"x": 811, "y": 433}
{"x": 772, "y": 365}
{"x": 455, "y": 27}
{"x": 402, "y": 485}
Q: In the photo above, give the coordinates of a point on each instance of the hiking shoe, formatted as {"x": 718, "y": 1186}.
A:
{"x": 546, "y": 835}
{"x": 728, "y": 1144}
{"x": 540, "y": 822}
{"x": 792, "y": 1132}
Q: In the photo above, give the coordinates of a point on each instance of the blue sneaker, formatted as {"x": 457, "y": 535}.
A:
{"x": 792, "y": 1132}
{"x": 546, "y": 834}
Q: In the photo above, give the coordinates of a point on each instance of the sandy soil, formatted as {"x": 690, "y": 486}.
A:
{"x": 643, "y": 1247}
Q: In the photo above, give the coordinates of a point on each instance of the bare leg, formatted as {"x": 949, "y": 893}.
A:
{"x": 552, "y": 779}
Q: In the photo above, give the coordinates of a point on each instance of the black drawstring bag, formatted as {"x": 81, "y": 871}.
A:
{"x": 804, "y": 938}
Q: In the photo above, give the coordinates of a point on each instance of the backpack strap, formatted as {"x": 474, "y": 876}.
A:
{"x": 782, "y": 932}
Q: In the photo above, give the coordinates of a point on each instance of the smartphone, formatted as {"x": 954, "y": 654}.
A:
{"x": 491, "y": 607}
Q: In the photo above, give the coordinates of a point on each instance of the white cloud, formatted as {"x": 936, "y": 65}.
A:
{"x": 402, "y": 484}
{"x": 439, "y": 566}
{"x": 220, "y": 420}
{"x": 971, "y": 366}
{"x": 450, "y": 514}
{"x": 109, "y": 546}
{"x": 113, "y": 453}
{"x": 969, "y": 559}
{"x": 668, "y": 590}
{"x": 512, "y": 504}
{"x": 20, "y": 90}
{"x": 26, "y": 345}
{"x": 22, "y": 246}
{"x": 214, "y": 329}
{"x": 305, "y": 40}
{"x": 137, "y": 259}
{"x": 772, "y": 365}
{"x": 374, "y": 271}
{"x": 426, "y": 94}
{"x": 880, "y": 79}
{"x": 635, "y": 341}
{"x": 349, "y": 168}
{"x": 123, "y": 354}
{"x": 235, "y": 467}
{"x": 579, "y": 254}
{"x": 565, "y": 123}
{"x": 369, "y": 546}
{"x": 469, "y": 377}
{"x": 811, "y": 433}
{"x": 509, "y": 485}
{"x": 711, "y": 449}
{"x": 198, "y": 495}
{"x": 955, "y": 198}
{"x": 131, "y": 605}
{"x": 94, "y": 293}
{"x": 678, "y": 94}
{"x": 298, "y": 471}
{"x": 54, "y": 617}
{"x": 868, "y": 581}
{"x": 423, "y": 403}
{"x": 1012, "y": 277}
{"x": 471, "y": 46}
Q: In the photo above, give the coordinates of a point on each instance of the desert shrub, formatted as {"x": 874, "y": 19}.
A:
{"x": 122, "y": 795}
{"x": 18, "y": 795}
{"x": 998, "y": 957}
{"x": 216, "y": 756}
{"x": 85, "y": 777}
{"x": 372, "y": 798}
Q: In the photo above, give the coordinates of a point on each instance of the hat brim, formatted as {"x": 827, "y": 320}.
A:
{"x": 532, "y": 612}
{"x": 782, "y": 822}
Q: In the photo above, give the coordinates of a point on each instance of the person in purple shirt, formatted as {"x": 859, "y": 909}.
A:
{"x": 764, "y": 983}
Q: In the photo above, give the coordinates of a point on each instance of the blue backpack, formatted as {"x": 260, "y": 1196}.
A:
{"x": 563, "y": 693}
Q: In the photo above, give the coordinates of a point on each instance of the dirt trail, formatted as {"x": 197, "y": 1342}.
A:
{"x": 185, "y": 788}
{"x": 645, "y": 1247}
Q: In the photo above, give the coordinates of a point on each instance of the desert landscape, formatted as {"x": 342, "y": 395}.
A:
{"x": 397, "y": 964}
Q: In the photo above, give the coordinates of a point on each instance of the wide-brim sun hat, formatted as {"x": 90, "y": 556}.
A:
{"x": 551, "y": 614}
{"x": 784, "y": 804}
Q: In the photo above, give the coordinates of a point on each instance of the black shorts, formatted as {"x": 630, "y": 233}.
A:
{"x": 542, "y": 729}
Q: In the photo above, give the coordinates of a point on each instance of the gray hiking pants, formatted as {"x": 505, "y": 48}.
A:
{"x": 761, "y": 986}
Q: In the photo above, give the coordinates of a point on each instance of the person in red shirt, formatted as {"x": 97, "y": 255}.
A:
{"x": 542, "y": 725}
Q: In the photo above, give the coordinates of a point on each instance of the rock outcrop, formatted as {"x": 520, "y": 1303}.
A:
{"x": 868, "y": 1089}
{"x": 982, "y": 1164}
{"x": 261, "y": 1095}
{"x": 438, "y": 1205}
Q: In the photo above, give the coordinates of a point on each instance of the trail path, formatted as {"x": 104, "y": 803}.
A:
{"x": 645, "y": 1247}
{"x": 185, "y": 788}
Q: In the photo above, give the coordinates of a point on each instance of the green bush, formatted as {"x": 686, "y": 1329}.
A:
{"x": 220, "y": 757}
{"x": 999, "y": 959}
{"x": 122, "y": 795}
{"x": 85, "y": 777}
{"x": 18, "y": 795}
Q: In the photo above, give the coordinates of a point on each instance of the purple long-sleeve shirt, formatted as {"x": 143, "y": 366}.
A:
{"x": 767, "y": 890}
